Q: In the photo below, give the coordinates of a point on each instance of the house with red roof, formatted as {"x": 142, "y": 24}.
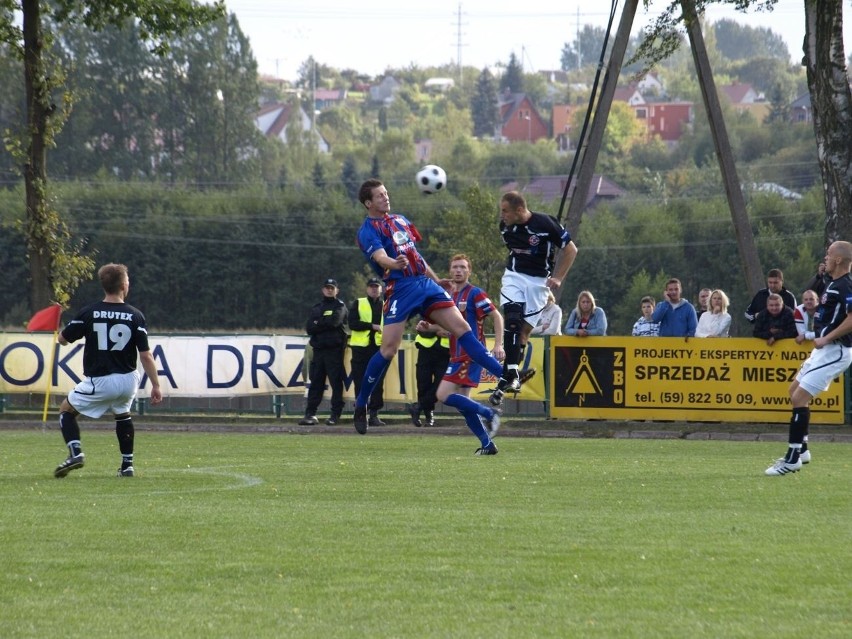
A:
{"x": 520, "y": 121}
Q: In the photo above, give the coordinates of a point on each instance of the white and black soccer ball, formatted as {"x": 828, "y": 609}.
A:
{"x": 431, "y": 179}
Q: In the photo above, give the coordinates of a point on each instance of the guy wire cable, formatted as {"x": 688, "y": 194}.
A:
{"x": 588, "y": 116}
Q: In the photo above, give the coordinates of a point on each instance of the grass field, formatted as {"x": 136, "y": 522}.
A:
{"x": 271, "y": 535}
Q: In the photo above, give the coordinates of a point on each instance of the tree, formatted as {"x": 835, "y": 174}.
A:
{"x": 585, "y": 50}
{"x": 512, "y": 80}
{"x": 56, "y": 264}
{"x": 318, "y": 175}
{"x": 483, "y": 106}
{"x": 349, "y": 177}
{"x": 828, "y": 84}
{"x": 736, "y": 41}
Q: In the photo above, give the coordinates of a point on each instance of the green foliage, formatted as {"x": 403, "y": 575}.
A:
{"x": 473, "y": 230}
{"x": 512, "y": 79}
{"x": 585, "y": 50}
{"x": 483, "y": 106}
{"x": 736, "y": 41}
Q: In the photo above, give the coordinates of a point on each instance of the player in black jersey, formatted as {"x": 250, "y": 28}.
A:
{"x": 114, "y": 333}
{"x": 831, "y": 356}
{"x": 540, "y": 254}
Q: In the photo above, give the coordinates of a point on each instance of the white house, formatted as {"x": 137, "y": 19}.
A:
{"x": 274, "y": 119}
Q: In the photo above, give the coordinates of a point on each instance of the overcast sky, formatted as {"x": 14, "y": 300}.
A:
{"x": 372, "y": 35}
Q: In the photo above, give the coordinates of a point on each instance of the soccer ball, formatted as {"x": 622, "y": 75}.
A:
{"x": 431, "y": 178}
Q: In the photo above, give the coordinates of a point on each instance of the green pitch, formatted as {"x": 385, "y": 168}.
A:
{"x": 276, "y": 535}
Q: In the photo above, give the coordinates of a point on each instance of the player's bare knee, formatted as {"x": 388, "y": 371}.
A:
{"x": 66, "y": 407}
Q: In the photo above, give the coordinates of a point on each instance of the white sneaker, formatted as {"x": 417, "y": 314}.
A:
{"x": 492, "y": 424}
{"x": 781, "y": 467}
{"x": 805, "y": 457}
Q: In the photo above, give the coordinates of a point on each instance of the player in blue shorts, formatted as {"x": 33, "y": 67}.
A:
{"x": 388, "y": 241}
{"x": 463, "y": 374}
{"x": 832, "y": 354}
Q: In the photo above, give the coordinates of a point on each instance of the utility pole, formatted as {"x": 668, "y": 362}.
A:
{"x": 598, "y": 126}
{"x": 733, "y": 190}
{"x": 736, "y": 202}
{"x": 459, "y": 44}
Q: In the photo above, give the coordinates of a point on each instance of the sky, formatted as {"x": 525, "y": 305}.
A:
{"x": 372, "y": 35}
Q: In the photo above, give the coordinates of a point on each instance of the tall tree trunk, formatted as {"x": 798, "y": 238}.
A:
{"x": 831, "y": 102}
{"x": 35, "y": 170}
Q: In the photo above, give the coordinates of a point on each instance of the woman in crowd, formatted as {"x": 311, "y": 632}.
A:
{"x": 716, "y": 322}
{"x": 587, "y": 318}
{"x": 550, "y": 321}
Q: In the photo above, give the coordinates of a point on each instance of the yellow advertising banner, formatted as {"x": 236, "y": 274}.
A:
{"x": 667, "y": 378}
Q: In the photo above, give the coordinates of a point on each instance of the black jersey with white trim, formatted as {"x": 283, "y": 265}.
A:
{"x": 533, "y": 246}
{"x": 114, "y": 333}
{"x": 835, "y": 305}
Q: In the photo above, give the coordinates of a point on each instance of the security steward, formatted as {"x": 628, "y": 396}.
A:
{"x": 433, "y": 357}
{"x": 365, "y": 324}
{"x": 326, "y": 327}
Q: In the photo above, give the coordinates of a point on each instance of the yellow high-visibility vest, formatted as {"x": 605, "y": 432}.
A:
{"x": 429, "y": 342}
{"x": 365, "y": 314}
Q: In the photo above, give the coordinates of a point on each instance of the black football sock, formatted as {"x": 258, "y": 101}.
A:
{"x": 512, "y": 346}
{"x": 124, "y": 432}
{"x": 70, "y": 432}
{"x": 798, "y": 427}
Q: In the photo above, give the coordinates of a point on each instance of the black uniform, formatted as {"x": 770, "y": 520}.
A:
{"x": 835, "y": 304}
{"x": 328, "y": 340}
{"x": 114, "y": 333}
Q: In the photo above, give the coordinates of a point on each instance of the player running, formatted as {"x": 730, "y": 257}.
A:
{"x": 541, "y": 253}
{"x": 463, "y": 374}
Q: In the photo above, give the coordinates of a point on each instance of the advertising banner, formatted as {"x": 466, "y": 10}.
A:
{"x": 665, "y": 378}
{"x": 218, "y": 366}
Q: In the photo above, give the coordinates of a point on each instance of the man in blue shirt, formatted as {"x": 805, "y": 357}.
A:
{"x": 675, "y": 315}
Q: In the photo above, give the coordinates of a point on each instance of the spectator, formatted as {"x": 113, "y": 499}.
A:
{"x": 703, "y": 301}
{"x": 433, "y": 357}
{"x": 716, "y": 321}
{"x": 645, "y": 326}
{"x": 550, "y": 320}
{"x": 325, "y": 325}
{"x": 365, "y": 324}
{"x": 819, "y": 281}
{"x": 675, "y": 315}
{"x": 776, "y": 322}
{"x": 804, "y": 316}
{"x": 774, "y": 284}
{"x": 587, "y": 318}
